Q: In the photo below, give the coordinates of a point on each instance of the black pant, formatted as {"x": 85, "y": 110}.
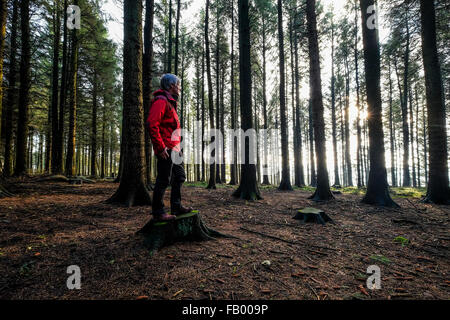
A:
{"x": 168, "y": 172}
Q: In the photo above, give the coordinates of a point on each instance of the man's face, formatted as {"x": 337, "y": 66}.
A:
{"x": 175, "y": 89}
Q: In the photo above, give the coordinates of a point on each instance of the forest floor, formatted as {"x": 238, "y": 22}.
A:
{"x": 48, "y": 226}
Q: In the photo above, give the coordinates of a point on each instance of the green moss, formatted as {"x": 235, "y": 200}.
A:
{"x": 307, "y": 188}
{"x": 407, "y": 192}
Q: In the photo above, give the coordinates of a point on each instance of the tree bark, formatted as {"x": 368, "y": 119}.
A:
{"x": 11, "y": 97}
{"x": 147, "y": 81}
{"x": 57, "y": 139}
{"x": 177, "y": 33}
{"x": 71, "y": 141}
{"x": 348, "y": 161}
{"x": 300, "y": 176}
{"x": 212, "y": 171}
{"x": 438, "y": 190}
{"x": 323, "y": 191}
{"x": 24, "y": 91}
{"x": 169, "y": 51}
{"x": 360, "y": 182}
{"x": 132, "y": 189}
{"x": 218, "y": 147}
{"x": 285, "y": 183}
{"x": 406, "y": 172}
{"x": 337, "y": 182}
{"x": 248, "y": 188}
{"x": 377, "y": 186}
{"x": 391, "y": 131}
{"x": 94, "y": 124}
{"x": 233, "y": 165}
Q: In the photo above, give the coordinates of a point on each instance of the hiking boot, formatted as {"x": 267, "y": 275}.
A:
{"x": 181, "y": 210}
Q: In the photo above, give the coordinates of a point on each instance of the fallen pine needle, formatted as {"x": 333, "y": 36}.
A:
{"x": 177, "y": 293}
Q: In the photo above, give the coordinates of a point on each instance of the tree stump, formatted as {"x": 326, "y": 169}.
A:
{"x": 186, "y": 227}
{"x": 312, "y": 215}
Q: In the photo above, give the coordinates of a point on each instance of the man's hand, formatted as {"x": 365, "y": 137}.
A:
{"x": 164, "y": 154}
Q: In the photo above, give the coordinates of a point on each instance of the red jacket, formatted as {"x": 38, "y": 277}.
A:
{"x": 162, "y": 121}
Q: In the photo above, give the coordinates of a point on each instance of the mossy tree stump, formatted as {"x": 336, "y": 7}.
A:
{"x": 186, "y": 227}
{"x": 312, "y": 215}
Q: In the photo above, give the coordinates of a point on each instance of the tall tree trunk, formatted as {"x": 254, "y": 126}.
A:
{"x": 203, "y": 112}
{"x": 323, "y": 191}
{"x": 358, "y": 104}
{"x": 391, "y": 130}
{"x": 147, "y": 82}
{"x": 169, "y": 51}
{"x": 197, "y": 114}
{"x": 222, "y": 125}
{"x": 57, "y": 140}
{"x": 11, "y": 97}
{"x": 377, "y": 186}
{"x": 233, "y": 165}
{"x": 102, "y": 164}
{"x": 94, "y": 124}
{"x": 55, "y": 87}
{"x": 248, "y": 188}
{"x": 425, "y": 142}
{"x": 417, "y": 137}
{"x": 218, "y": 147}
{"x": 312, "y": 161}
{"x": 411, "y": 135}
{"x": 406, "y": 172}
{"x": 24, "y": 91}
{"x": 71, "y": 140}
{"x": 294, "y": 98}
{"x": 285, "y": 183}
{"x": 3, "y": 17}
{"x": 264, "y": 88}
{"x": 438, "y": 189}
{"x": 337, "y": 182}
{"x": 212, "y": 173}
{"x": 132, "y": 189}
{"x": 298, "y": 126}
{"x": 177, "y": 33}
{"x": 348, "y": 161}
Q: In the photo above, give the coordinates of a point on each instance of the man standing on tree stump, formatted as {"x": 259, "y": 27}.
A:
{"x": 164, "y": 127}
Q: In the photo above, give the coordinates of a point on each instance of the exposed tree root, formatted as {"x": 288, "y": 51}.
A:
{"x": 131, "y": 196}
{"x": 381, "y": 201}
{"x": 252, "y": 194}
{"x": 186, "y": 227}
{"x": 320, "y": 195}
{"x": 285, "y": 186}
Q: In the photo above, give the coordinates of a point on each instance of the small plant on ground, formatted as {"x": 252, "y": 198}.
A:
{"x": 403, "y": 241}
